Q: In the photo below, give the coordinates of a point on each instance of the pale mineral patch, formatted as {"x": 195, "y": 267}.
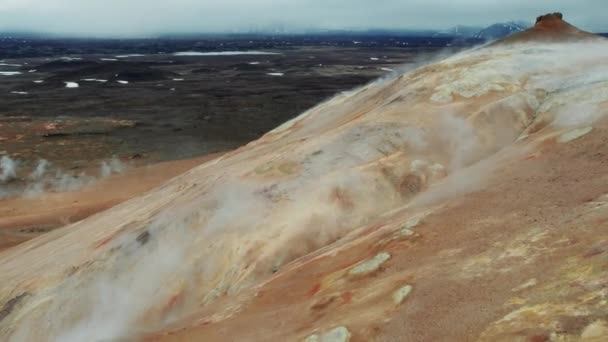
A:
{"x": 595, "y": 330}
{"x": 339, "y": 334}
{"x": 400, "y": 294}
{"x": 574, "y": 134}
{"x": 370, "y": 265}
{"x": 530, "y": 283}
{"x": 411, "y": 223}
{"x": 405, "y": 232}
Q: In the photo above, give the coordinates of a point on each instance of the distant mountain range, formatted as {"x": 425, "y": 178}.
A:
{"x": 502, "y": 30}
{"x": 492, "y": 32}
{"x": 463, "y": 32}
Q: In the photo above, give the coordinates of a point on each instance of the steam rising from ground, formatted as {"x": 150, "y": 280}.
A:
{"x": 45, "y": 177}
{"x": 114, "y": 301}
{"x": 8, "y": 169}
{"x": 109, "y": 167}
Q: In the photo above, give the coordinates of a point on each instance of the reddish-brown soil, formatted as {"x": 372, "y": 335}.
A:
{"x": 24, "y": 218}
{"x": 553, "y": 28}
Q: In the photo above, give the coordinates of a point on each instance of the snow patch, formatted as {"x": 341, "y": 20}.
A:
{"x": 223, "y": 53}
{"x": 130, "y": 55}
{"x": 94, "y": 80}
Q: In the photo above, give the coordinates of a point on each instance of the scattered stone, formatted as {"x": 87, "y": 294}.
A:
{"x": 136, "y": 156}
{"x": 411, "y": 223}
{"x": 406, "y": 229}
{"x": 530, "y": 283}
{"x": 418, "y": 165}
{"x": 11, "y": 304}
{"x": 400, "y": 294}
{"x": 406, "y": 232}
{"x": 35, "y": 229}
{"x": 438, "y": 171}
{"x": 370, "y": 265}
{"x": 595, "y": 330}
{"x": 143, "y": 238}
{"x": 313, "y": 338}
{"x": 574, "y": 134}
{"x": 339, "y": 334}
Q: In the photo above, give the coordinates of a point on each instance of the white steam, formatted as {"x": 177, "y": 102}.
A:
{"x": 577, "y": 114}
{"x": 460, "y": 140}
{"x": 112, "y": 303}
{"x": 40, "y": 169}
{"x": 8, "y": 169}
{"x": 45, "y": 177}
{"x": 110, "y": 167}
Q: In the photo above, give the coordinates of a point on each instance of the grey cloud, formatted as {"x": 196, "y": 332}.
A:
{"x": 149, "y": 17}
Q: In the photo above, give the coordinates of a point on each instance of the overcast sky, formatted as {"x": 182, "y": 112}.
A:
{"x": 151, "y": 17}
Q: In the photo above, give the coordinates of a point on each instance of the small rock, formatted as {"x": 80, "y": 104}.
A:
{"x": 530, "y": 283}
{"x": 143, "y": 238}
{"x": 411, "y": 223}
{"x": 11, "y": 304}
{"x": 339, "y": 334}
{"x": 418, "y": 165}
{"x": 406, "y": 232}
{"x": 595, "y": 330}
{"x": 400, "y": 294}
{"x": 313, "y": 338}
{"x": 438, "y": 171}
{"x": 370, "y": 265}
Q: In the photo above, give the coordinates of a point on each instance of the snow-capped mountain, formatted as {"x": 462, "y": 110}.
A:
{"x": 500, "y": 30}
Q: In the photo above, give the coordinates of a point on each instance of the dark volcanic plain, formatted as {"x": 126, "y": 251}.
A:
{"x": 175, "y": 107}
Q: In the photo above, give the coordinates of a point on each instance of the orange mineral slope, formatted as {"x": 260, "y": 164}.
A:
{"x": 464, "y": 200}
{"x": 551, "y": 28}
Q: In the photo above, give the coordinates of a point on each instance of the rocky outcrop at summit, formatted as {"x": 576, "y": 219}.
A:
{"x": 551, "y": 27}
